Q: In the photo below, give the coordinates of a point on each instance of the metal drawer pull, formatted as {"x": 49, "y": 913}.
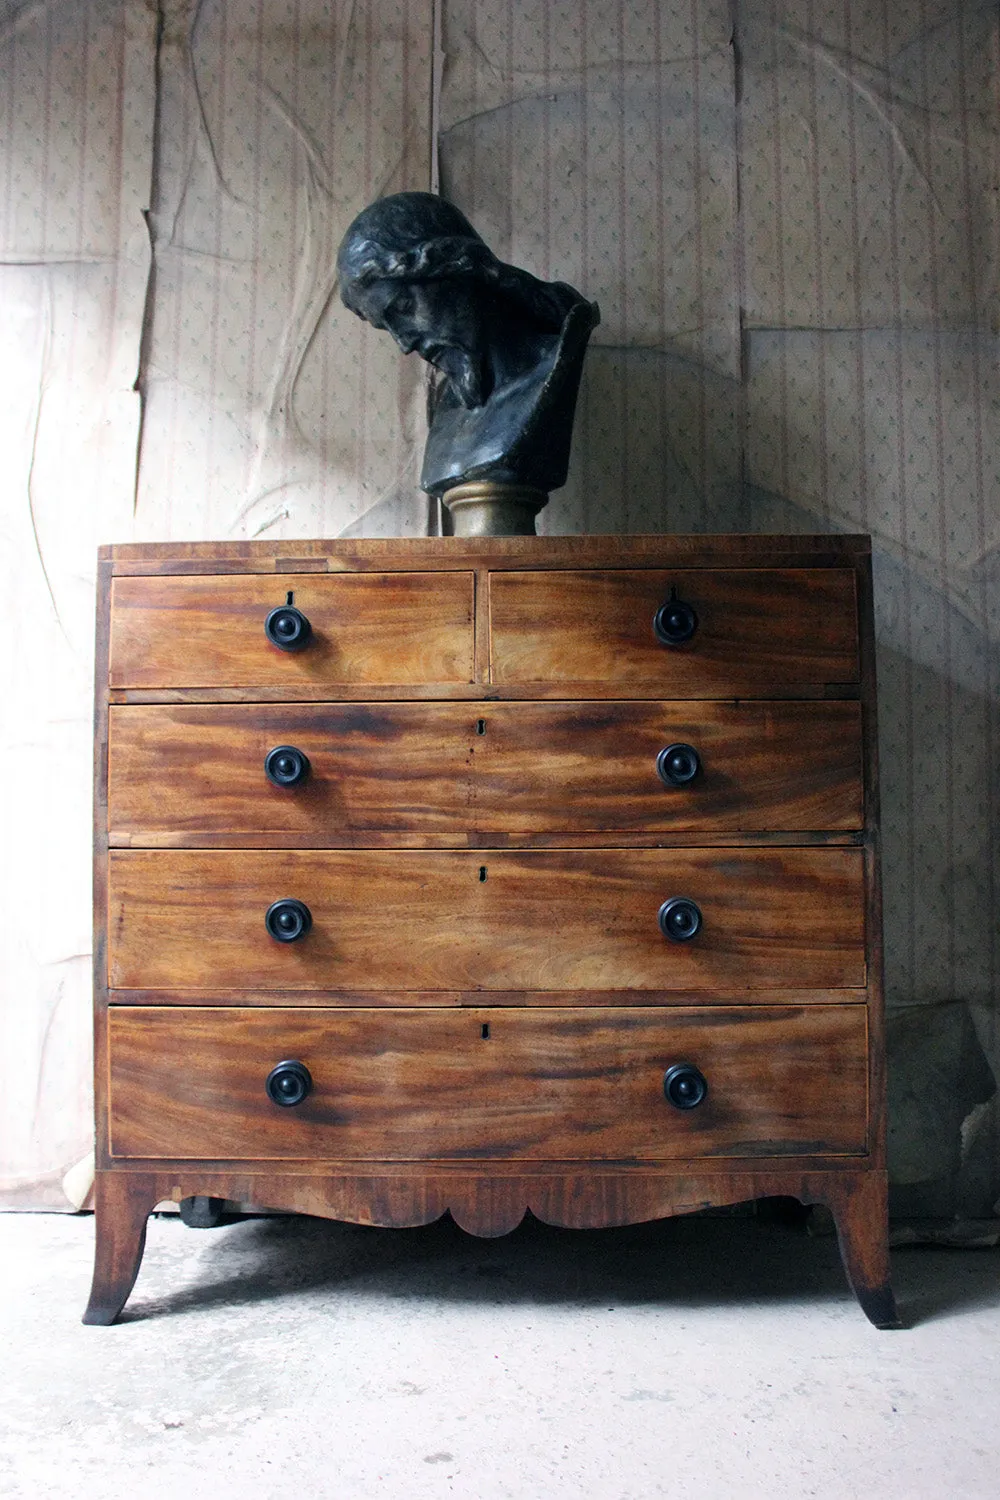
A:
{"x": 675, "y": 622}
{"x": 288, "y": 920}
{"x": 286, "y": 766}
{"x": 287, "y": 628}
{"x": 678, "y": 765}
{"x": 289, "y": 1083}
{"x": 680, "y": 919}
{"x": 684, "y": 1086}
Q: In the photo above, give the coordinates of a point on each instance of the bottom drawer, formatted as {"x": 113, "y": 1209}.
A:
{"x": 473, "y": 1084}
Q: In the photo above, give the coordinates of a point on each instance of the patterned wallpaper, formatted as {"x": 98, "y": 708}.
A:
{"x": 264, "y": 398}
{"x": 788, "y": 213}
{"x": 77, "y": 103}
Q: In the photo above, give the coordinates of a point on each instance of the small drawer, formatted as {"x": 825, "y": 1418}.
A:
{"x": 668, "y": 767}
{"x": 447, "y": 920}
{"x": 688, "y": 633}
{"x": 317, "y": 773}
{"x": 341, "y": 629}
{"x": 484, "y": 1083}
{"x": 180, "y": 773}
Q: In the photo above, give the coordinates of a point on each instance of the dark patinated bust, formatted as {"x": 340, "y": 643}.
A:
{"x": 508, "y": 348}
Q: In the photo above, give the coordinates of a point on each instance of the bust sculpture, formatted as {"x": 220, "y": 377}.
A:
{"x": 508, "y": 349}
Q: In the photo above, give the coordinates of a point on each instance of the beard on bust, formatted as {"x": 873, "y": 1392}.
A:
{"x": 466, "y": 372}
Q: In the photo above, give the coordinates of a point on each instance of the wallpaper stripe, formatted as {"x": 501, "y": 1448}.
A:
{"x": 794, "y": 240}
{"x": 905, "y": 952}
{"x": 856, "y": 255}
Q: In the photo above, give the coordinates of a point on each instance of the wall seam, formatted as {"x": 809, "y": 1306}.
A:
{"x": 149, "y": 300}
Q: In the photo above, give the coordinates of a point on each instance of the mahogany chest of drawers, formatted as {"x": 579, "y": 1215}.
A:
{"x": 486, "y": 876}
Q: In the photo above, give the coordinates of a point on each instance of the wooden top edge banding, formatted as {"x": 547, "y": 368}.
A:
{"x": 322, "y": 555}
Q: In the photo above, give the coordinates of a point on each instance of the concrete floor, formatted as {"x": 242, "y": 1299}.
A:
{"x": 292, "y": 1357}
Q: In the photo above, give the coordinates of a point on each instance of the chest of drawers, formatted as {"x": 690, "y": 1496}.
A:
{"x": 487, "y": 876}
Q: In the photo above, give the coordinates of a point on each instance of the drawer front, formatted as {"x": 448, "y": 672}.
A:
{"x": 366, "y": 628}
{"x": 518, "y": 768}
{"x": 755, "y": 630}
{"x": 417, "y": 920}
{"x": 589, "y": 767}
{"x": 393, "y": 768}
{"x": 486, "y": 1083}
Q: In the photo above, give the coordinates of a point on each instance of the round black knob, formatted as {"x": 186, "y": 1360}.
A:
{"x": 680, "y": 919}
{"x": 287, "y": 628}
{"x": 674, "y": 623}
{"x": 684, "y": 1086}
{"x": 678, "y": 765}
{"x": 289, "y": 1083}
{"x": 286, "y": 766}
{"x": 288, "y": 920}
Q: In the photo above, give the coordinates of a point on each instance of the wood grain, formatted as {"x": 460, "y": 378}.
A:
{"x": 580, "y": 768}
{"x": 122, "y": 1205}
{"x": 860, "y": 1206}
{"x": 99, "y": 922}
{"x": 403, "y": 1195}
{"x": 458, "y": 692}
{"x": 873, "y": 873}
{"x": 468, "y": 999}
{"x": 775, "y": 626}
{"x": 556, "y": 950}
{"x": 554, "y": 920}
{"x": 395, "y": 628}
{"x": 373, "y": 767}
{"x": 381, "y": 554}
{"x": 513, "y": 768}
{"x": 405, "y": 1085}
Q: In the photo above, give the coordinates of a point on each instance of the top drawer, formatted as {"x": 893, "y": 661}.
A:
{"x": 751, "y": 630}
{"x": 365, "y": 629}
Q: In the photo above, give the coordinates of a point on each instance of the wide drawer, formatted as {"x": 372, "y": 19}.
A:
{"x": 754, "y": 630}
{"x": 366, "y": 628}
{"x": 484, "y": 1083}
{"x": 554, "y": 920}
{"x": 180, "y": 772}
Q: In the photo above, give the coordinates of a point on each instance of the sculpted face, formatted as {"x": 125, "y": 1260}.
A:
{"x": 509, "y": 347}
{"x": 439, "y": 320}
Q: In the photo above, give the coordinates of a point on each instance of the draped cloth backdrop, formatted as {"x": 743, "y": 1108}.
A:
{"x": 788, "y": 211}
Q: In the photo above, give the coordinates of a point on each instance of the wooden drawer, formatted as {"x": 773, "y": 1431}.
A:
{"x": 758, "y": 630}
{"x": 367, "y": 628}
{"x": 485, "y": 1083}
{"x": 589, "y": 767}
{"x": 386, "y": 767}
{"x": 417, "y": 920}
{"x": 180, "y": 773}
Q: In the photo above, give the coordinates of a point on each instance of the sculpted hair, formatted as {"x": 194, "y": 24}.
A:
{"x": 420, "y": 237}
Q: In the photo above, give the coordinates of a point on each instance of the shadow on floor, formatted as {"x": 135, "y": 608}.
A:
{"x": 685, "y": 1262}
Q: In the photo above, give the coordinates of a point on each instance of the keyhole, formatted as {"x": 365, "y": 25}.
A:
{"x": 480, "y": 726}
{"x": 291, "y": 597}
{"x": 482, "y": 872}
{"x": 485, "y": 1031}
